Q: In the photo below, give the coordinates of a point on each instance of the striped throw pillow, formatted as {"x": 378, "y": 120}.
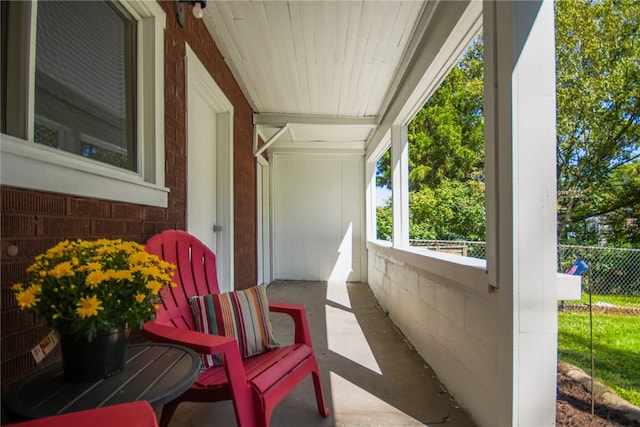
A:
{"x": 242, "y": 315}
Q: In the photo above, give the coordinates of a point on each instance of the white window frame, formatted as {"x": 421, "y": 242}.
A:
{"x": 26, "y": 164}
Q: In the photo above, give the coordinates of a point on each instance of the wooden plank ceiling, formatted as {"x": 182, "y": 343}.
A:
{"x": 325, "y": 68}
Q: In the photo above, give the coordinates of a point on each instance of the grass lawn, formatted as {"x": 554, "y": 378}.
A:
{"x": 616, "y": 349}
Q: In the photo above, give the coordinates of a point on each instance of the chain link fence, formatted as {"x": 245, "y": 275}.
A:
{"x": 611, "y": 285}
{"x": 613, "y": 278}
{"x": 614, "y": 271}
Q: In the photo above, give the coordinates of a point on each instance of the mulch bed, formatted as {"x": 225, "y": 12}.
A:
{"x": 573, "y": 408}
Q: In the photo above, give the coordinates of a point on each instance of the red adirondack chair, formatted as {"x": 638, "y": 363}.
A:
{"x": 132, "y": 414}
{"x": 255, "y": 384}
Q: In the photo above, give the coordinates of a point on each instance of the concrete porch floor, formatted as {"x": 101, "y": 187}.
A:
{"x": 371, "y": 376}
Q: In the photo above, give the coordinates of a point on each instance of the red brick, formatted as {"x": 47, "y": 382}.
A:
{"x": 17, "y": 225}
{"x": 135, "y": 228}
{"x": 14, "y": 200}
{"x": 16, "y": 320}
{"x": 110, "y": 228}
{"x": 125, "y": 210}
{"x": 87, "y": 208}
{"x": 67, "y": 227}
{"x": 151, "y": 213}
{"x": 16, "y": 368}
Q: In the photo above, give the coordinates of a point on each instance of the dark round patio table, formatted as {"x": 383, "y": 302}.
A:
{"x": 157, "y": 373}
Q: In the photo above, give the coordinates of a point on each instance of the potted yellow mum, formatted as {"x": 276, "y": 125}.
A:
{"x": 92, "y": 293}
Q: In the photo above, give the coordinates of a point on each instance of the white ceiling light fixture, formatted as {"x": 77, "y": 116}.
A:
{"x": 180, "y": 8}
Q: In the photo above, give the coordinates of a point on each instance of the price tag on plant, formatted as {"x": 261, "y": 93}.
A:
{"x": 45, "y": 346}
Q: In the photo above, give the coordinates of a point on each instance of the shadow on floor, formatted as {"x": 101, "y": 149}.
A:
{"x": 371, "y": 375}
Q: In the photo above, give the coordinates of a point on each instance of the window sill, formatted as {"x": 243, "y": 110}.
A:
{"x": 36, "y": 167}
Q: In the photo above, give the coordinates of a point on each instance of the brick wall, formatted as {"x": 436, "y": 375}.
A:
{"x": 244, "y": 164}
{"x": 34, "y": 221}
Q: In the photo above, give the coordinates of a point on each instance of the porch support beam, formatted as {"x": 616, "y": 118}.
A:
{"x": 258, "y": 151}
{"x": 400, "y": 185}
{"x": 519, "y": 58}
{"x": 269, "y": 119}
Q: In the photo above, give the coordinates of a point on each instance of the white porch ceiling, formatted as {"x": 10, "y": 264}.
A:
{"x": 327, "y": 69}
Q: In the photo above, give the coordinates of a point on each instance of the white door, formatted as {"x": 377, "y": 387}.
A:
{"x": 209, "y": 167}
{"x": 201, "y": 168}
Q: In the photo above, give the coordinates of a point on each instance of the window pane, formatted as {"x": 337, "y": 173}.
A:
{"x": 85, "y": 81}
{"x": 446, "y": 162}
{"x": 383, "y": 193}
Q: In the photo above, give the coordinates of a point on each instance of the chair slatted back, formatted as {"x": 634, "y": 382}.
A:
{"x": 195, "y": 274}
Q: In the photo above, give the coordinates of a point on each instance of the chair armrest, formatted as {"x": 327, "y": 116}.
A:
{"x": 207, "y": 344}
{"x": 198, "y": 341}
{"x": 297, "y": 312}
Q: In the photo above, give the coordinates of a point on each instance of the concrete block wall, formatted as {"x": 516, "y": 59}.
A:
{"x": 454, "y": 328}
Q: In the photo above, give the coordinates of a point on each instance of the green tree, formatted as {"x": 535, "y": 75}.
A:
{"x": 446, "y": 135}
{"x": 623, "y": 225}
{"x": 598, "y": 128}
{"x": 598, "y": 115}
{"x": 446, "y": 159}
{"x": 452, "y": 211}
{"x": 384, "y": 221}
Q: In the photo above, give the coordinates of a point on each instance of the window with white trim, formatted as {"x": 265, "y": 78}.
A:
{"x": 83, "y": 98}
{"x": 445, "y": 165}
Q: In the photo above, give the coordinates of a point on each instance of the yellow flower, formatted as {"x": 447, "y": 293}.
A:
{"x": 26, "y": 299}
{"x": 61, "y": 270}
{"x": 149, "y": 272}
{"x": 122, "y": 275}
{"x": 94, "y": 279}
{"x": 94, "y": 266}
{"x": 57, "y": 250}
{"x": 138, "y": 258}
{"x": 88, "y": 307}
{"x": 106, "y": 250}
{"x": 154, "y": 286}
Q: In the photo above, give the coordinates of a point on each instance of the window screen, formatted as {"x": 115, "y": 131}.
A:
{"x": 85, "y": 81}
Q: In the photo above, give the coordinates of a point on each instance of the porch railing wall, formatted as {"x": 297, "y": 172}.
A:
{"x": 610, "y": 303}
{"x": 613, "y": 271}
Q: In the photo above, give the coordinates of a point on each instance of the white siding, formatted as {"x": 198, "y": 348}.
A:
{"x": 318, "y": 217}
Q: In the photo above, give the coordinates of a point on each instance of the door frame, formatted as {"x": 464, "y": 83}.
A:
{"x": 198, "y": 78}
{"x": 263, "y": 186}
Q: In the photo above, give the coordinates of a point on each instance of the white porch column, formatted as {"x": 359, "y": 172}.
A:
{"x": 521, "y": 203}
{"x": 400, "y": 185}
